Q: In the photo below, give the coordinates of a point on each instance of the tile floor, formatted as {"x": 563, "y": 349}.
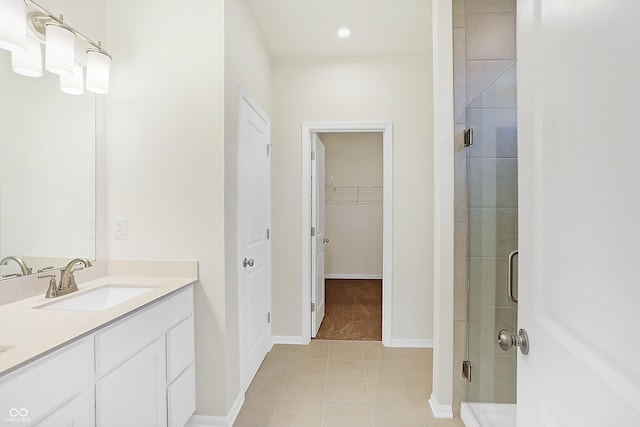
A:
{"x": 341, "y": 383}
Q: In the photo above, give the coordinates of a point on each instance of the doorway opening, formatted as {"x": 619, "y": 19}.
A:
{"x": 350, "y": 222}
{"x": 310, "y": 243}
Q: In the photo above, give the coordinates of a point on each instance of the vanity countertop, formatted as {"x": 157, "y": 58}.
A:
{"x": 27, "y": 332}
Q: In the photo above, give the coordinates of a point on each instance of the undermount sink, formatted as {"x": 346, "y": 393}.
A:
{"x": 97, "y": 299}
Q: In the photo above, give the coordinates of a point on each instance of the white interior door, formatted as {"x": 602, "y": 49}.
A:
{"x": 317, "y": 241}
{"x": 254, "y": 248}
{"x": 578, "y": 94}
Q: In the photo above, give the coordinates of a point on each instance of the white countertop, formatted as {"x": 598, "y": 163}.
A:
{"x": 31, "y": 332}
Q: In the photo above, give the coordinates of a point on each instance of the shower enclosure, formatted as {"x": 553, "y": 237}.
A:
{"x": 492, "y": 238}
{"x": 492, "y": 182}
{"x": 484, "y": 39}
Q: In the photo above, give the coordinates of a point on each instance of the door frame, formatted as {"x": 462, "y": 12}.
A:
{"x": 386, "y": 128}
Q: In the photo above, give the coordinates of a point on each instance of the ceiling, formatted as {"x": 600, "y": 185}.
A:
{"x": 308, "y": 27}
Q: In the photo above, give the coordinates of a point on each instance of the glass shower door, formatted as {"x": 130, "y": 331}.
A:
{"x": 492, "y": 236}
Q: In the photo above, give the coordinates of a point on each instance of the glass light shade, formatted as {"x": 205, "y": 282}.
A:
{"x": 73, "y": 84}
{"x": 98, "y": 64}
{"x": 28, "y": 63}
{"x": 13, "y": 25}
{"x": 60, "y": 50}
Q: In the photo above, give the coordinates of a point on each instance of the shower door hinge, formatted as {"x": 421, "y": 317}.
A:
{"x": 313, "y": 307}
{"x": 268, "y": 234}
{"x": 466, "y": 370}
{"x": 268, "y": 149}
{"x": 468, "y": 137}
{"x": 269, "y": 317}
{"x": 313, "y": 155}
{"x": 313, "y": 231}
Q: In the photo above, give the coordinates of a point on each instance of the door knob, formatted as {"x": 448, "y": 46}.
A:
{"x": 247, "y": 262}
{"x": 506, "y": 340}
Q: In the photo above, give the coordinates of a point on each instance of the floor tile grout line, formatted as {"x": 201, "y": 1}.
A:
{"x": 370, "y": 399}
{"x": 275, "y": 411}
{"x": 324, "y": 394}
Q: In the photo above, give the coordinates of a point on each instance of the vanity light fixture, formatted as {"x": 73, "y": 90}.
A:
{"x": 59, "y": 40}
{"x": 73, "y": 84}
{"x": 13, "y": 28}
{"x": 344, "y": 31}
{"x": 28, "y": 63}
{"x": 98, "y": 64}
{"x": 60, "y": 50}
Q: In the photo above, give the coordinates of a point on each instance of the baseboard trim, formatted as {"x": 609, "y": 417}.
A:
{"x": 353, "y": 276}
{"x": 289, "y": 340}
{"x": 213, "y": 421}
{"x": 440, "y": 411}
{"x": 411, "y": 343}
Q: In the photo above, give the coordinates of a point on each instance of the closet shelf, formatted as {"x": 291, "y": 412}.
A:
{"x": 355, "y": 195}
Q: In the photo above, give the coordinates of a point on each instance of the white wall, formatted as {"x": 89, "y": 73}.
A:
{"x": 443, "y": 370}
{"x": 396, "y": 89}
{"x": 247, "y": 64}
{"x": 165, "y": 158}
{"x": 353, "y": 224}
{"x": 172, "y": 128}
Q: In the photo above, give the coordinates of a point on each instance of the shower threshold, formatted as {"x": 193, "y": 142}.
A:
{"x": 475, "y": 414}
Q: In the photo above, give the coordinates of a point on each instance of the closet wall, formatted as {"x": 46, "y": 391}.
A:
{"x": 353, "y": 205}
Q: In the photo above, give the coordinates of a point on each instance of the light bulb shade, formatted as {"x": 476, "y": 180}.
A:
{"x": 28, "y": 63}
{"x": 60, "y": 50}
{"x": 98, "y": 64}
{"x": 73, "y": 84}
{"x": 13, "y": 25}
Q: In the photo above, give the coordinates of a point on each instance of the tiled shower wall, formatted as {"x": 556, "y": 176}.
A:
{"x": 484, "y": 76}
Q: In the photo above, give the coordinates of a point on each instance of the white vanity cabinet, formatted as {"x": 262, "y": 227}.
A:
{"x": 138, "y": 371}
{"x": 139, "y": 359}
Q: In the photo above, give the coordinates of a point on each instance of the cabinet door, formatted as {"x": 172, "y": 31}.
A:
{"x": 134, "y": 393}
{"x": 78, "y": 412}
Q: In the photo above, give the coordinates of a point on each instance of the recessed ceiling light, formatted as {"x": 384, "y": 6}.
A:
{"x": 343, "y": 31}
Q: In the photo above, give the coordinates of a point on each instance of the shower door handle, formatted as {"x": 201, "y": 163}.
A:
{"x": 512, "y": 257}
{"x": 506, "y": 340}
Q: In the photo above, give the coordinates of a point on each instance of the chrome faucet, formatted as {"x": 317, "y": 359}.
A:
{"x": 67, "y": 279}
{"x": 23, "y": 266}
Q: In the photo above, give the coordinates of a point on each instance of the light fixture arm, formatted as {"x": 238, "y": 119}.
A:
{"x": 40, "y": 19}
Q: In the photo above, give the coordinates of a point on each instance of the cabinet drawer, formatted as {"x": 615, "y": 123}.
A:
{"x": 36, "y": 389}
{"x": 180, "y": 348}
{"x": 181, "y": 398}
{"x": 120, "y": 341}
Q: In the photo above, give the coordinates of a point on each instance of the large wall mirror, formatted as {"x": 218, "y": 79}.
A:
{"x": 47, "y": 172}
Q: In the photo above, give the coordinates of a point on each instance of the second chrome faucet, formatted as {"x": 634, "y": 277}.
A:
{"x": 67, "y": 279}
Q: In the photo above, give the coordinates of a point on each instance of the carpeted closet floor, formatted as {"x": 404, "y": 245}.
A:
{"x": 353, "y": 310}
